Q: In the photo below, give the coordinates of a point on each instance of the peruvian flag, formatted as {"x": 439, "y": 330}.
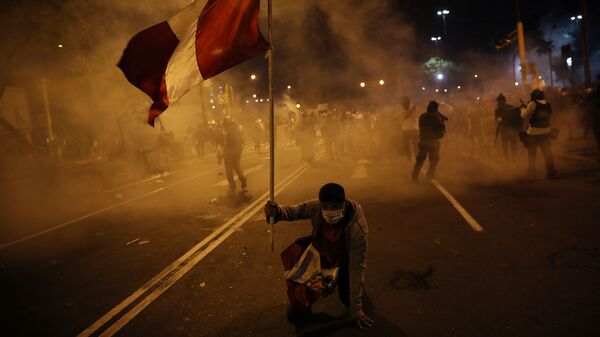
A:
{"x": 203, "y": 40}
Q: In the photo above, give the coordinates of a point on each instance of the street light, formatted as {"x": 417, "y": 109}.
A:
{"x": 289, "y": 87}
{"x": 423, "y": 88}
{"x": 440, "y": 76}
{"x": 569, "y": 61}
{"x": 253, "y": 77}
{"x": 443, "y": 14}
{"x": 381, "y": 82}
{"x": 253, "y": 95}
{"x": 362, "y": 84}
{"x": 60, "y": 46}
{"x": 476, "y": 76}
{"x": 298, "y": 106}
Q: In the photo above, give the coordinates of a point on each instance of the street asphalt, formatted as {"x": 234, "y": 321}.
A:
{"x": 534, "y": 270}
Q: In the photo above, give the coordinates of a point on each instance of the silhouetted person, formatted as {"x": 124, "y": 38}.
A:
{"x": 232, "y": 152}
{"x": 334, "y": 255}
{"x": 508, "y": 119}
{"x": 431, "y": 130}
{"x": 536, "y": 125}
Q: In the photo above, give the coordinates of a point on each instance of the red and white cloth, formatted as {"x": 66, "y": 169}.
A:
{"x": 203, "y": 40}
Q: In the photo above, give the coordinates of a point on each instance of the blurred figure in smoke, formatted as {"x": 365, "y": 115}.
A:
{"x": 537, "y": 132}
{"x": 508, "y": 125}
{"x": 331, "y": 131}
{"x": 475, "y": 127}
{"x": 431, "y": 130}
{"x": 258, "y": 131}
{"x": 306, "y": 136}
{"x": 409, "y": 126}
{"x": 232, "y": 152}
{"x": 163, "y": 143}
{"x": 200, "y": 139}
{"x": 334, "y": 255}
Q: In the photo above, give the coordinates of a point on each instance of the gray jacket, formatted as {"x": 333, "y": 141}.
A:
{"x": 355, "y": 235}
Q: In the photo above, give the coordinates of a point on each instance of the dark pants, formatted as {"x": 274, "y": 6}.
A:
{"x": 434, "y": 157}
{"x": 510, "y": 138}
{"x": 232, "y": 163}
{"x": 410, "y": 141}
{"x": 543, "y": 142}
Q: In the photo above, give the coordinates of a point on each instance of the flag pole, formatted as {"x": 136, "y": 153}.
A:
{"x": 272, "y": 123}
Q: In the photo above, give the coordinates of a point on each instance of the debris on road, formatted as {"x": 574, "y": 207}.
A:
{"x": 132, "y": 241}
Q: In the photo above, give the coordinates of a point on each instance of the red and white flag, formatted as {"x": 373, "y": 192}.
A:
{"x": 203, "y": 40}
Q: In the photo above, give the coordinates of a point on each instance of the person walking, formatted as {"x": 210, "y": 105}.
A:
{"x": 232, "y": 153}
{"x": 431, "y": 130}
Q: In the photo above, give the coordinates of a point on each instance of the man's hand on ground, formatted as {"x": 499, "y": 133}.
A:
{"x": 364, "y": 322}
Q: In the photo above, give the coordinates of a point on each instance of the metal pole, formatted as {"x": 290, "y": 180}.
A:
{"x": 522, "y": 55}
{"x": 271, "y": 124}
{"x": 444, "y": 21}
{"x": 48, "y": 118}
{"x": 586, "y": 47}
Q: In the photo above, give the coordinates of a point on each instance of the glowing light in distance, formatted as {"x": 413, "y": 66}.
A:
{"x": 362, "y": 84}
{"x": 298, "y": 106}
{"x": 437, "y": 90}
{"x": 516, "y": 84}
{"x": 569, "y": 61}
{"x": 445, "y": 90}
{"x": 60, "y": 46}
{"x": 253, "y": 77}
{"x": 289, "y": 87}
{"x": 459, "y": 87}
{"x": 476, "y": 76}
{"x": 381, "y": 82}
{"x": 247, "y": 101}
{"x": 440, "y": 76}
{"x": 254, "y": 96}
{"x": 423, "y": 88}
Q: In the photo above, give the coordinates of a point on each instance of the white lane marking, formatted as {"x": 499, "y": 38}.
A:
{"x": 250, "y": 170}
{"x": 470, "y": 220}
{"x": 108, "y": 208}
{"x": 12, "y": 243}
{"x": 163, "y": 280}
{"x": 576, "y": 157}
{"x": 105, "y": 209}
{"x": 137, "y": 183}
{"x": 166, "y": 174}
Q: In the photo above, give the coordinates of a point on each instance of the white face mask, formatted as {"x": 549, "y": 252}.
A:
{"x": 334, "y": 216}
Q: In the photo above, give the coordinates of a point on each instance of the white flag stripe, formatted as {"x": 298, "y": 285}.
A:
{"x": 182, "y": 70}
{"x": 181, "y": 21}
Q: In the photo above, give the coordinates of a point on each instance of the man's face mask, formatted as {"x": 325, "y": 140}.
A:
{"x": 332, "y": 214}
